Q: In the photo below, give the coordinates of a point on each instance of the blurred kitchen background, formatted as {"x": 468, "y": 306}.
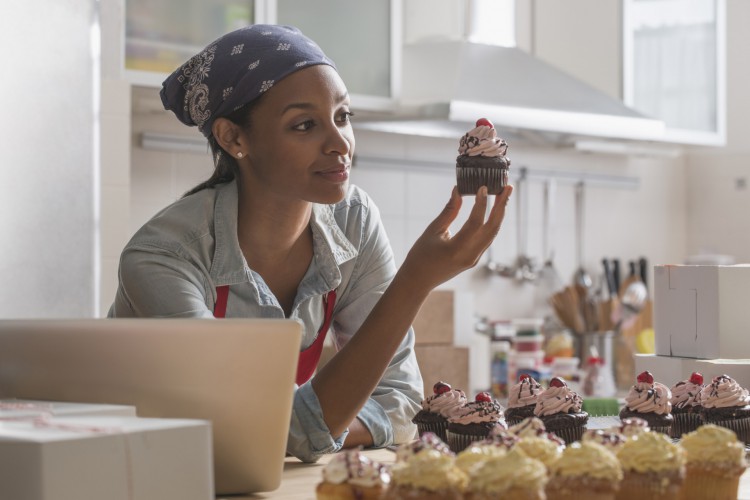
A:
{"x": 626, "y": 121}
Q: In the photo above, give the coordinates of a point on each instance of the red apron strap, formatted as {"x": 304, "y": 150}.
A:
{"x": 220, "y": 308}
{"x": 308, "y": 359}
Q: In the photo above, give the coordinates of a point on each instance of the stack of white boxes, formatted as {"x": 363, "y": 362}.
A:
{"x": 701, "y": 322}
{"x": 67, "y": 451}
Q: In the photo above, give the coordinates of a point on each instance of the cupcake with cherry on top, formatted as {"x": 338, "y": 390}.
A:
{"x": 444, "y": 402}
{"x": 560, "y": 409}
{"x": 474, "y": 422}
{"x": 649, "y": 401}
{"x": 686, "y": 406}
{"x": 727, "y": 404}
{"x": 522, "y": 398}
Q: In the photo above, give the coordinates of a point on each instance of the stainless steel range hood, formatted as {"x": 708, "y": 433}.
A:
{"x": 447, "y": 85}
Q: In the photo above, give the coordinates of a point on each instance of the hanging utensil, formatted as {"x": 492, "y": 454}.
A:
{"x": 548, "y": 279}
{"x": 581, "y": 277}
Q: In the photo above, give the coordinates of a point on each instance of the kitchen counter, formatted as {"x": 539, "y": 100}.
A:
{"x": 299, "y": 479}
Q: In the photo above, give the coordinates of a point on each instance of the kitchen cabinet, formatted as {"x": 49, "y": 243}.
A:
{"x": 363, "y": 38}
{"x": 674, "y": 66}
{"x": 159, "y": 36}
{"x": 665, "y": 58}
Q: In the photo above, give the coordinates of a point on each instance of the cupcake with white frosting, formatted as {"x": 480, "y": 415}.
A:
{"x": 727, "y": 404}
{"x": 653, "y": 468}
{"x": 715, "y": 463}
{"x": 427, "y": 475}
{"x": 428, "y": 440}
{"x": 508, "y": 477}
{"x": 350, "y": 474}
{"x": 649, "y": 401}
{"x": 559, "y": 408}
{"x": 585, "y": 471}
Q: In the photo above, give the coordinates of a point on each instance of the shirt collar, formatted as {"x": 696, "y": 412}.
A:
{"x": 331, "y": 247}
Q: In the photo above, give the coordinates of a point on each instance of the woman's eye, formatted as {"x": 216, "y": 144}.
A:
{"x": 305, "y": 125}
{"x": 345, "y": 117}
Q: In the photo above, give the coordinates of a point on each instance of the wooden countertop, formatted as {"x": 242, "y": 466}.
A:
{"x": 299, "y": 479}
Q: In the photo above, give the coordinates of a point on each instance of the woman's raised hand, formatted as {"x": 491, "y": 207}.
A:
{"x": 438, "y": 256}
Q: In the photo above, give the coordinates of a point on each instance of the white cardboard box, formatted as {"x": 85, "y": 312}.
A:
{"x": 113, "y": 458}
{"x": 670, "y": 370}
{"x": 15, "y": 409}
{"x": 702, "y": 311}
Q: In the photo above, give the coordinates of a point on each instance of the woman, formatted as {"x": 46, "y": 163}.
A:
{"x": 278, "y": 232}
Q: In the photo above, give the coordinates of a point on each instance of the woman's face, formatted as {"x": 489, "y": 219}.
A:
{"x": 300, "y": 139}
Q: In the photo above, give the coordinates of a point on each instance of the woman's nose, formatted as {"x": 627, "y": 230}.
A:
{"x": 339, "y": 139}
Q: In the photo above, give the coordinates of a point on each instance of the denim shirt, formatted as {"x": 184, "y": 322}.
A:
{"x": 173, "y": 264}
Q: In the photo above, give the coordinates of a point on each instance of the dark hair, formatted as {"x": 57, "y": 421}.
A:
{"x": 225, "y": 166}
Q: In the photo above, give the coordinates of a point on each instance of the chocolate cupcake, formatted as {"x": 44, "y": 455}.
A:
{"x": 481, "y": 160}
{"x": 650, "y": 401}
{"x": 433, "y": 417}
{"x": 522, "y": 399}
{"x": 474, "y": 422}
{"x": 686, "y": 405}
{"x": 727, "y": 404}
{"x": 560, "y": 410}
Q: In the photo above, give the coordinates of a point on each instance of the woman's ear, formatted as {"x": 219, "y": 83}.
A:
{"x": 227, "y": 134}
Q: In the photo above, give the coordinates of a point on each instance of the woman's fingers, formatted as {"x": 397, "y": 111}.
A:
{"x": 497, "y": 213}
{"x": 442, "y": 222}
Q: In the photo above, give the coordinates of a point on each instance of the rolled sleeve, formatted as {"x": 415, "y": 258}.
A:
{"x": 374, "y": 417}
{"x": 309, "y": 437}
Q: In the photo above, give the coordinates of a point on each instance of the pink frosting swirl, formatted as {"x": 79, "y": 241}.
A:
{"x": 556, "y": 400}
{"x": 686, "y": 393}
{"x": 649, "y": 398}
{"x": 482, "y": 141}
{"x": 524, "y": 393}
{"x": 446, "y": 404}
{"x": 476, "y": 412}
{"x": 724, "y": 392}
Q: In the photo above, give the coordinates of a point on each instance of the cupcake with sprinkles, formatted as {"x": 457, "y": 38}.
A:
{"x": 650, "y": 401}
{"x": 653, "y": 468}
{"x": 444, "y": 402}
{"x": 474, "y": 422}
{"x": 351, "y": 475}
{"x": 482, "y": 160}
{"x": 509, "y": 477}
{"x": 427, "y": 475}
{"x": 586, "y": 471}
{"x": 522, "y": 399}
{"x": 560, "y": 409}
{"x": 727, "y": 404}
{"x": 686, "y": 406}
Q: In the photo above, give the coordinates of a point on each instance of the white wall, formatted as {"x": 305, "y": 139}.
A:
{"x": 48, "y": 204}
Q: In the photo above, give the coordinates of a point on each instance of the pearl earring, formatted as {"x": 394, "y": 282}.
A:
{"x": 239, "y": 155}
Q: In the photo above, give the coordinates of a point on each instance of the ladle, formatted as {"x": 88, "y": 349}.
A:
{"x": 581, "y": 276}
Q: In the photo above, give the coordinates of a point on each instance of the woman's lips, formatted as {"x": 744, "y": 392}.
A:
{"x": 337, "y": 174}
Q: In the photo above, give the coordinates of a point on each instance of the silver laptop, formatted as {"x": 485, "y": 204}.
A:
{"x": 239, "y": 374}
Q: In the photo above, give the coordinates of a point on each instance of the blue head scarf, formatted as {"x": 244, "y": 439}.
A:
{"x": 236, "y": 69}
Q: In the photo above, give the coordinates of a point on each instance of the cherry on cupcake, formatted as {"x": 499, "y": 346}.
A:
{"x": 441, "y": 387}
{"x": 483, "y": 396}
{"x": 645, "y": 377}
{"x": 523, "y": 376}
{"x": 696, "y": 378}
{"x": 557, "y": 382}
{"x": 485, "y": 122}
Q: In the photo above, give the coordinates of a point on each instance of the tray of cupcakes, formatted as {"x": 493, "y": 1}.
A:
{"x": 684, "y": 442}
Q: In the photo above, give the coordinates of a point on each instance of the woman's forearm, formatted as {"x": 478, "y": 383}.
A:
{"x": 347, "y": 380}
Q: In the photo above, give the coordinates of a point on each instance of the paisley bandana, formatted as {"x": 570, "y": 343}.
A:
{"x": 236, "y": 69}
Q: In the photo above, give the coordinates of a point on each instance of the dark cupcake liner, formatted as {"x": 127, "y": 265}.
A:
{"x": 437, "y": 428}
{"x": 684, "y": 423}
{"x": 740, "y": 426}
{"x": 663, "y": 429}
{"x": 470, "y": 179}
{"x": 459, "y": 442}
{"x": 570, "y": 434}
